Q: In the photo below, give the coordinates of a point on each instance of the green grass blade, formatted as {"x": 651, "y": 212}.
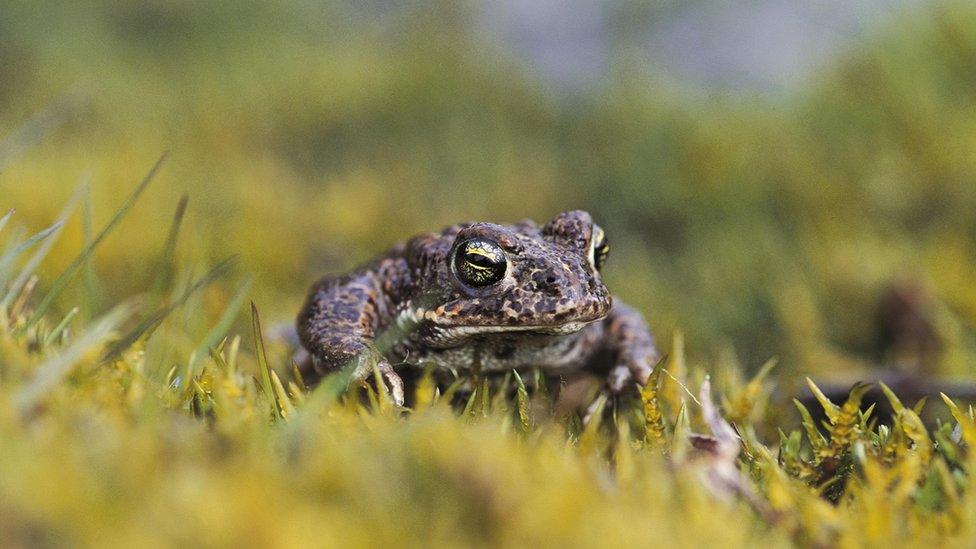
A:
{"x": 485, "y": 397}
{"x": 7, "y": 259}
{"x": 28, "y": 269}
{"x": 6, "y": 217}
{"x": 224, "y": 323}
{"x": 150, "y": 323}
{"x": 88, "y": 231}
{"x": 285, "y": 406}
{"x": 469, "y": 405}
{"x": 60, "y": 327}
{"x": 522, "y": 403}
{"x": 59, "y": 284}
{"x": 166, "y": 265}
{"x": 263, "y": 360}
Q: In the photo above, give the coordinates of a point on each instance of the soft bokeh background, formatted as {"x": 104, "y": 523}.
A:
{"x": 767, "y": 172}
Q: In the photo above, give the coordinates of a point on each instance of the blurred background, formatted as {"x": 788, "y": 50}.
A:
{"x": 779, "y": 178}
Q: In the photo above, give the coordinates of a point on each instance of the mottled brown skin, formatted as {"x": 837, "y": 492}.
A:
{"x": 549, "y": 309}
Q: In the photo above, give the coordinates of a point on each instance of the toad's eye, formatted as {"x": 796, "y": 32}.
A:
{"x": 480, "y": 262}
{"x": 600, "y": 247}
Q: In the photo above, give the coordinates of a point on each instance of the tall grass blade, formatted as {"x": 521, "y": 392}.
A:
{"x": 17, "y": 286}
{"x": 59, "y": 284}
{"x": 472, "y": 399}
{"x": 166, "y": 265}
{"x": 285, "y": 406}
{"x": 7, "y": 259}
{"x": 522, "y": 403}
{"x": 263, "y": 361}
{"x": 6, "y": 217}
{"x": 149, "y": 324}
{"x": 88, "y": 232}
{"x": 59, "y": 329}
{"x": 219, "y": 330}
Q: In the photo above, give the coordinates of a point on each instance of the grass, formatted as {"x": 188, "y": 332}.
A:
{"x": 768, "y": 228}
{"x": 139, "y": 402}
{"x": 104, "y": 447}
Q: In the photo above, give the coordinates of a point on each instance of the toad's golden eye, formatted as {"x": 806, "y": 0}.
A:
{"x": 601, "y": 247}
{"x": 480, "y": 262}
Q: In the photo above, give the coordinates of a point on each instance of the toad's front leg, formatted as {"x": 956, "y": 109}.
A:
{"x": 631, "y": 346}
{"x": 339, "y": 322}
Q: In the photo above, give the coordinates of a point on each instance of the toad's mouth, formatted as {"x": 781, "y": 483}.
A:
{"x": 555, "y": 329}
{"x": 436, "y": 331}
{"x": 435, "y": 335}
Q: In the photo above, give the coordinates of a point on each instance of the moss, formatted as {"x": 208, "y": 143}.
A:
{"x": 132, "y": 412}
{"x": 102, "y": 447}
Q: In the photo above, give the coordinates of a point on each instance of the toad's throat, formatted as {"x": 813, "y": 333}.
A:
{"x": 449, "y": 336}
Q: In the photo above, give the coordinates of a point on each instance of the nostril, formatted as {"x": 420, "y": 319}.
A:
{"x": 553, "y": 286}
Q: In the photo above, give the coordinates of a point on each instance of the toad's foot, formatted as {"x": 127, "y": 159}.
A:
{"x": 364, "y": 370}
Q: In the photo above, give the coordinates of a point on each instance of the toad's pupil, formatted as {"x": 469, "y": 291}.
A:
{"x": 479, "y": 260}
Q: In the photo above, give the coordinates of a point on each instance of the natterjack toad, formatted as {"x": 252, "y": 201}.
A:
{"x": 481, "y": 296}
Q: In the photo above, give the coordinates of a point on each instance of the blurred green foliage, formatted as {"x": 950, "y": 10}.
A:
{"x": 311, "y": 136}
